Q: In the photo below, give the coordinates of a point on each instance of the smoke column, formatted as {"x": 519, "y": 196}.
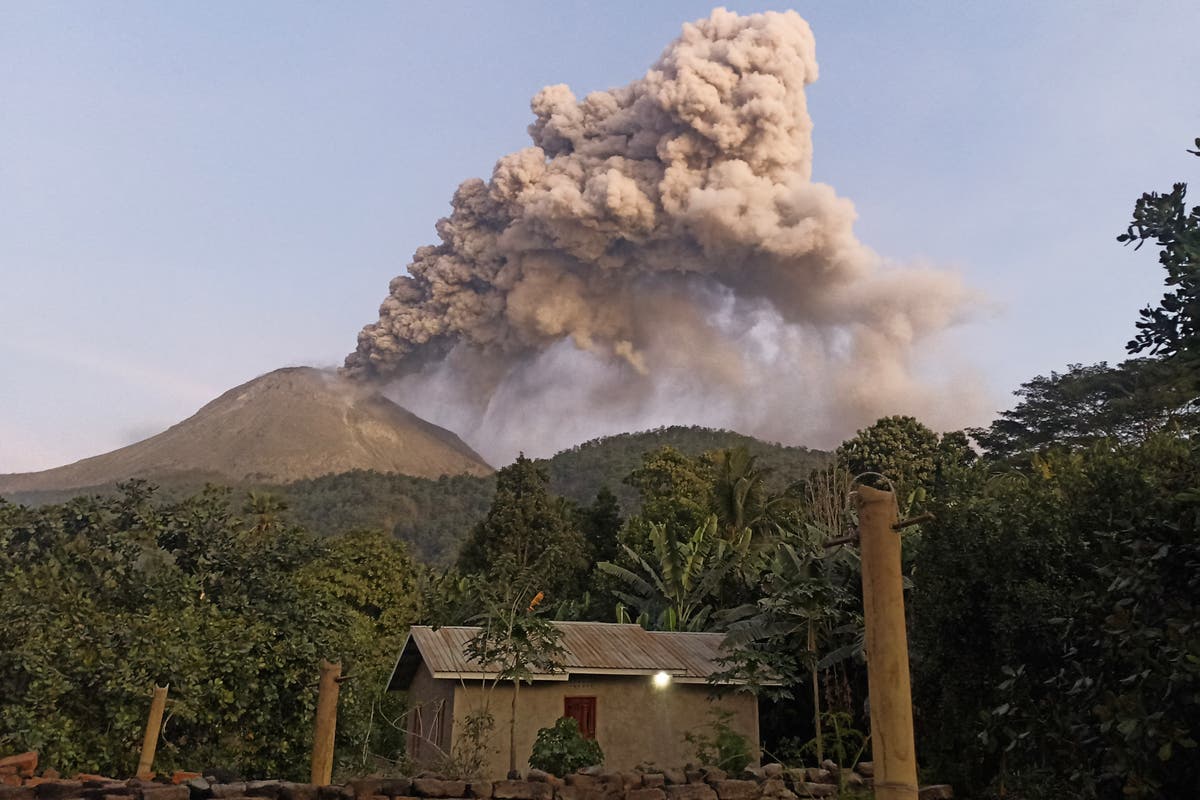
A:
{"x": 661, "y": 255}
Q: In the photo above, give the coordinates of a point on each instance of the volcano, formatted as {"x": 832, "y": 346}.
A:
{"x": 289, "y": 424}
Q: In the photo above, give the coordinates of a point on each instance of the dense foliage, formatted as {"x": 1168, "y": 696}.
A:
{"x": 577, "y": 473}
{"x": 562, "y": 749}
{"x": 432, "y": 516}
{"x": 104, "y": 598}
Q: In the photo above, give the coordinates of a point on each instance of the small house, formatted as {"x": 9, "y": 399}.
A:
{"x": 636, "y": 692}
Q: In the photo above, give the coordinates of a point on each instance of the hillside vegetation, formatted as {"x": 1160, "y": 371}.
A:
{"x": 577, "y": 473}
{"x": 434, "y": 515}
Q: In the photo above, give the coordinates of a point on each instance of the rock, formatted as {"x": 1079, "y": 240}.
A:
{"x": 772, "y": 770}
{"x": 431, "y": 787}
{"x": 268, "y": 789}
{"x": 675, "y": 777}
{"x": 645, "y": 794}
{"x": 522, "y": 790}
{"x": 331, "y": 791}
{"x": 751, "y": 773}
{"x": 51, "y": 789}
{"x": 582, "y": 779}
{"x": 654, "y": 780}
{"x": 395, "y": 787}
{"x": 479, "y": 788}
{"x": 691, "y": 791}
{"x": 223, "y": 791}
{"x": 199, "y": 788}
{"x": 817, "y": 790}
{"x": 940, "y": 791}
{"x": 9, "y": 777}
{"x": 166, "y": 793}
{"x": 818, "y": 775}
{"x": 773, "y": 787}
{"x": 866, "y": 769}
{"x": 51, "y": 774}
{"x": 367, "y": 787}
{"x": 832, "y": 766}
{"x": 17, "y": 792}
{"x": 855, "y": 780}
{"x": 578, "y": 792}
{"x": 306, "y": 791}
{"x": 714, "y": 774}
{"x": 735, "y": 790}
{"x": 26, "y": 763}
{"x": 539, "y": 776}
{"x": 179, "y": 776}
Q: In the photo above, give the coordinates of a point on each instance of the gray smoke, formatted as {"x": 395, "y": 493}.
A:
{"x": 661, "y": 255}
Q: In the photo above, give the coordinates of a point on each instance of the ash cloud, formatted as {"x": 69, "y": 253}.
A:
{"x": 661, "y": 255}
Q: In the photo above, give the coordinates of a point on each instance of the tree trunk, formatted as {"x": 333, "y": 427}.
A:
{"x": 512, "y": 730}
{"x": 816, "y": 694}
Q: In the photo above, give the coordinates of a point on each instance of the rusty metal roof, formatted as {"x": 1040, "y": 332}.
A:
{"x": 591, "y": 648}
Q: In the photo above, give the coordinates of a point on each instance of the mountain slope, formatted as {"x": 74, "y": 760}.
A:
{"x": 287, "y": 425}
{"x": 435, "y": 516}
{"x": 579, "y": 473}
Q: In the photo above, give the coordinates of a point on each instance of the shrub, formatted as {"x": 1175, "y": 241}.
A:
{"x": 562, "y": 749}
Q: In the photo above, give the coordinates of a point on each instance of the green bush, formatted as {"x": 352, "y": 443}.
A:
{"x": 562, "y": 749}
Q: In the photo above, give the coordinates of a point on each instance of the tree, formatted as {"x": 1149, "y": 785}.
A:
{"x": 1126, "y": 403}
{"x": 515, "y": 642}
{"x": 1055, "y": 648}
{"x": 601, "y": 525}
{"x": 104, "y": 597}
{"x": 372, "y": 585}
{"x": 741, "y": 499}
{"x": 1173, "y": 328}
{"x": 529, "y": 537}
{"x": 674, "y": 490}
{"x": 899, "y": 448}
{"x": 676, "y": 589}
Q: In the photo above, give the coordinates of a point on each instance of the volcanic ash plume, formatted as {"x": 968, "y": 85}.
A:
{"x": 660, "y": 254}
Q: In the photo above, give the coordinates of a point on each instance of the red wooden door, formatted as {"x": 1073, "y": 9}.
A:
{"x": 583, "y": 711}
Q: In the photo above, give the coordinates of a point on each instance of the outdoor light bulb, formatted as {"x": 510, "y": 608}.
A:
{"x": 661, "y": 680}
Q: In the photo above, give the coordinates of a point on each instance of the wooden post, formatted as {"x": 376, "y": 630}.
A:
{"x": 894, "y": 752}
{"x": 145, "y": 767}
{"x": 326, "y": 723}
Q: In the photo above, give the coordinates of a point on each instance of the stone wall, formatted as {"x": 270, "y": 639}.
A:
{"x": 772, "y": 782}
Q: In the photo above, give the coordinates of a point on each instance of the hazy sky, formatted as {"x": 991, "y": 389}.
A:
{"x": 194, "y": 194}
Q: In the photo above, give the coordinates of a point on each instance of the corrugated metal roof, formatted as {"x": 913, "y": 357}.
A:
{"x": 591, "y": 648}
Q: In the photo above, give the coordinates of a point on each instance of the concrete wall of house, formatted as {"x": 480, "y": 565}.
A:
{"x": 635, "y": 721}
{"x": 430, "y": 717}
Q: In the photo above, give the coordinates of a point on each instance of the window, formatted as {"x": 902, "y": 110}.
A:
{"x": 583, "y": 711}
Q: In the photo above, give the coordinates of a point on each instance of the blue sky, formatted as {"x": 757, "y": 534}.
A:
{"x": 194, "y": 194}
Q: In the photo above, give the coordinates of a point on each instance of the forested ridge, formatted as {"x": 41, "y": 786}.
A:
{"x": 434, "y": 515}
{"x": 1053, "y": 614}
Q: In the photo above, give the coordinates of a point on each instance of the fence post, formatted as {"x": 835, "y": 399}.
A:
{"x": 889, "y": 686}
{"x": 326, "y": 723}
{"x": 153, "y": 727}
